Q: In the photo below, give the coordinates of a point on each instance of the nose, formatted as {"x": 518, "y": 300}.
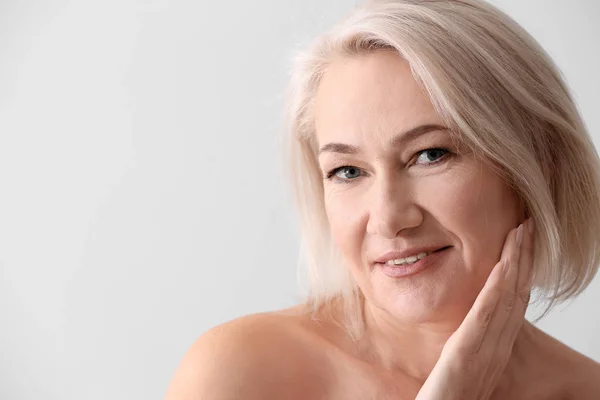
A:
{"x": 392, "y": 208}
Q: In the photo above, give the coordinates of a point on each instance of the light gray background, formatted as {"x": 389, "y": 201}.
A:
{"x": 142, "y": 200}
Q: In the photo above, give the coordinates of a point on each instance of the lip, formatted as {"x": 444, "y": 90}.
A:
{"x": 398, "y": 271}
{"x": 413, "y": 251}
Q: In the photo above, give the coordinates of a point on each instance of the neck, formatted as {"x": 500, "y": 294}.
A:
{"x": 410, "y": 348}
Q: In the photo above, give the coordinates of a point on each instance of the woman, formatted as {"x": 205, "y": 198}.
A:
{"x": 441, "y": 171}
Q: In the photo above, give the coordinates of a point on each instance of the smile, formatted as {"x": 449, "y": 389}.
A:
{"x": 411, "y": 265}
{"x": 409, "y": 260}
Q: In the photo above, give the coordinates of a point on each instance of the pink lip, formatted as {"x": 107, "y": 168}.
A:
{"x": 409, "y": 251}
{"x": 398, "y": 271}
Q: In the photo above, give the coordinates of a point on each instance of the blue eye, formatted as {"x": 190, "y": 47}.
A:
{"x": 435, "y": 155}
{"x": 350, "y": 170}
{"x": 347, "y": 173}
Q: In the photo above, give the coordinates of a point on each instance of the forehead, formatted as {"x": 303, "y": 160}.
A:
{"x": 370, "y": 98}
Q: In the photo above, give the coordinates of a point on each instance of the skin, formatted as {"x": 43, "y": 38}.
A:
{"x": 455, "y": 330}
{"x": 396, "y": 200}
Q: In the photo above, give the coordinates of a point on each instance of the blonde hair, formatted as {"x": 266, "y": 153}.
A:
{"x": 492, "y": 82}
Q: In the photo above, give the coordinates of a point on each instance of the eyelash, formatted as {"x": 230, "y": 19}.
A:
{"x": 331, "y": 173}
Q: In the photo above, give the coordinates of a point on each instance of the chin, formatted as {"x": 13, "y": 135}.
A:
{"x": 427, "y": 305}
{"x": 416, "y": 310}
{"x": 443, "y": 292}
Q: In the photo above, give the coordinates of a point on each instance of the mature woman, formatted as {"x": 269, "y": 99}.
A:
{"x": 442, "y": 171}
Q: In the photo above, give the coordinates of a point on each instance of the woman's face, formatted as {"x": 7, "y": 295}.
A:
{"x": 401, "y": 192}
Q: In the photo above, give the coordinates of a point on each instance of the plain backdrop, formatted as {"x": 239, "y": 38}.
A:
{"x": 142, "y": 195}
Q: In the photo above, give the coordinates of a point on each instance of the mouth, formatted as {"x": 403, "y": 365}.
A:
{"x": 412, "y": 266}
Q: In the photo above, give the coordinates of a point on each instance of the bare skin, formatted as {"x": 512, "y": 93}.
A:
{"x": 540, "y": 368}
{"x": 289, "y": 354}
{"x": 428, "y": 335}
{"x": 296, "y": 357}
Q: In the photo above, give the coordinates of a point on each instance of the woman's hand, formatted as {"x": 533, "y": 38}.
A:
{"x": 475, "y": 356}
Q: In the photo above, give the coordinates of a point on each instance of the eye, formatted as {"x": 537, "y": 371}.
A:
{"x": 431, "y": 156}
{"x": 347, "y": 173}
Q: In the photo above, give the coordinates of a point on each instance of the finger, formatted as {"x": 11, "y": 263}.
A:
{"x": 472, "y": 331}
{"x": 513, "y": 258}
{"x": 506, "y": 288}
{"x": 526, "y": 262}
{"x": 495, "y": 349}
{"x": 523, "y": 289}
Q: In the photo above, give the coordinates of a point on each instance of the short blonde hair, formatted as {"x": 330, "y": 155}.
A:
{"x": 489, "y": 80}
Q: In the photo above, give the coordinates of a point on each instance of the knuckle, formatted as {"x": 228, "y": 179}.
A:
{"x": 525, "y": 296}
{"x": 465, "y": 350}
{"x": 462, "y": 358}
{"x": 497, "y": 291}
{"x": 509, "y": 300}
{"x": 485, "y": 315}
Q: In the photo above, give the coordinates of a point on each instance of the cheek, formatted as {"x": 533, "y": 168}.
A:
{"x": 344, "y": 216}
{"x": 478, "y": 209}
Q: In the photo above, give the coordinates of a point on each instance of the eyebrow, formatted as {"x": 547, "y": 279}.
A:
{"x": 397, "y": 141}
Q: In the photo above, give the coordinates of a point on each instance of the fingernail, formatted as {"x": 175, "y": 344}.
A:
{"x": 530, "y": 222}
{"x": 519, "y": 235}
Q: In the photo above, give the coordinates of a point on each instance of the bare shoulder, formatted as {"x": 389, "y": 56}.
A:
{"x": 575, "y": 375}
{"x": 258, "y": 356}
{"x": 583, "y": 376}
